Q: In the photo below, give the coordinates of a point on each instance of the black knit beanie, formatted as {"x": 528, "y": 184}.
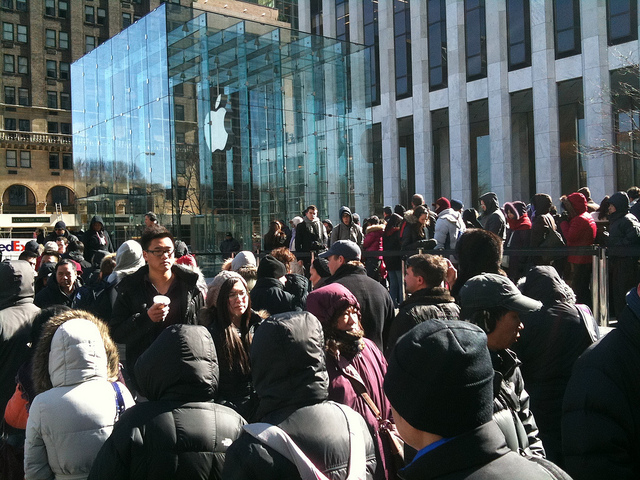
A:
{"x": 440, "y": 378}
{"x": 271, "y": 267}
{"x": 322, "y": 267}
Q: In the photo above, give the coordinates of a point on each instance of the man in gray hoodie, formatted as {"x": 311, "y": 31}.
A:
{"x": 347, "y": 229}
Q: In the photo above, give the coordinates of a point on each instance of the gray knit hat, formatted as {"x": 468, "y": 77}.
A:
{"x": 216, "y": 284}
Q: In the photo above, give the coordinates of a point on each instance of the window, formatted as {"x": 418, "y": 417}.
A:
{"x": 10, "y": 95}
{"x": 622, "y": 20}
{"x": 52, "y": 99}
{"x": 52, "y": 69}
{"x": 402, "y": 33}
{"x": 18, "y": 195}
{"x": 9, "y": 64}
{"x": 316, "y": 17}
{"x": 89, "y": 14}
{"x": 25, "y": 159}
{"x": 23, "y": 97}
{"x": 63, "y": 8}
{"x": 23, "y": 65}
{"x": 102, "y": 16}
{"x": 89, "y": 43}
{"x": 518, "y": 34}
{"x": 50, "y": 7}
{"x": 50, "y": 38}
{"x": 54, "y": 161}
{"x": 342, "y": 20}
{"x": 23, "y": 34}
{"x": 21, "y": 5}
{"x": 7, "y": 4}
{"x": 7, "y": 32}
{"x": 126, "y": 20}
{"x": 9, "y": 123}
{"x": 24, "y": 125}
{"x": 476, "y": 39}
{"x": 371, "y": 40}
{"x": 566, "y": 14}
{"x": 65, "y": 101}
{"x": 67, "y": 161}
{"x": 12, "y": 158}
{"x": 60, "y": 195}
{"x": 437, "y": 32}
{"x": 64, "y": 70}
{"x": 65, "y": 128}
{"x": 179, "y": 112}
{"x": 52, "y": 127}
{"x": 63, "y": 40}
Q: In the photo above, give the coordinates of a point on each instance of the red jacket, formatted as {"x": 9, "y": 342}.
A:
{"x": 581, "y": 229}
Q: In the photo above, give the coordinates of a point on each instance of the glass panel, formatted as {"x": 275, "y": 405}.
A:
{"x": 476, "y": 41}
{"x": 12, "y": 158}
{"x": 480, "y": 149}
{"x": 402, "y": 32}
{"x": 570, "y": 114}
{"x": 23, "y": 34}
{"x": 437, "y": 36}
{"x": 567, "y": 27}
{"x": 518, "y": 33}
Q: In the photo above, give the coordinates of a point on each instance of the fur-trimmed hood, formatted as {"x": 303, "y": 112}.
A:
{"x": 76, "y": 354}
{"x": 375, "y": 228}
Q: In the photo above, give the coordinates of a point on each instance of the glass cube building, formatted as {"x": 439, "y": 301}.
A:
{"x": 219, "y": 124}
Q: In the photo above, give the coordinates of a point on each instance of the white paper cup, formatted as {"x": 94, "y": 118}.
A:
{"x": 162, "y": 299}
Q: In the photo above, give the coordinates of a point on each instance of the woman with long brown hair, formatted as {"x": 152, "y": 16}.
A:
{"x": 229, "y": 318}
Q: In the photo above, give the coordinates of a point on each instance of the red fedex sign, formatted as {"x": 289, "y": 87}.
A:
{"x": 11, "y": 248}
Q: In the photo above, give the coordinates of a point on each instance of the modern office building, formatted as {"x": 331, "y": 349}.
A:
{"x": 220, "y": 123}
{"x": 513, "y": 96}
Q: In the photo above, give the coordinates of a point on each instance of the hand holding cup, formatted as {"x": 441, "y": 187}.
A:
{"x": 160, "y": 308}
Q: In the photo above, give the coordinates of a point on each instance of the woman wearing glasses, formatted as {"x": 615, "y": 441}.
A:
{"x": 231, "y": 321}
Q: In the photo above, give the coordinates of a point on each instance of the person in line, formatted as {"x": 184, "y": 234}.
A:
{"x": 244, "y": 263}
{"x": 62, "y": 286}
{"x": 600, "y": 413}
{"x": 542, "y": 224}
{"x": 75, "y": 372}
{"x": 96, "y": 238}
{"x": 276, "y": 292}
{"x": 354, "y": 363}
{"x": 311, "y": 236}
{"x": 60, "y": 230}
{"x": 518, "y": 236}
{"x": 375, "y": 301}
{"x": 230, "y": 319}
{"x": 429, "y": 299}
{"x": 137, "y": 319}
{"x": 494, "y": 303}
{"x": 624, "y": 233}
{"x": 579, "y": 230}
{"x": 150, "y": 219}
{"x": 552, "y": 340}
{"x": 319, "y": 272}
{"x": 275, "y": 237}
{"x": 392, "y": 244}
{"x": 492, "y": 218}
{"x": 449, "y": 225}
{"x": 372, "y": 242}
{"x": 347, "y": 229}
{"x": 290, "y": 376}
{"x": 416, "y": 233}
{"x": 440, "y": 385}
{"x": 229, "y": 246}
{"x": 180, "y": 432}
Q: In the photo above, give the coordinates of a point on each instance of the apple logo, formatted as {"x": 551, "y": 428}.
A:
{"x": 215, "y": 132}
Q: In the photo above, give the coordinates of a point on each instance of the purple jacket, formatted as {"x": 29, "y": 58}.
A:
{"x": 372, "y": 367}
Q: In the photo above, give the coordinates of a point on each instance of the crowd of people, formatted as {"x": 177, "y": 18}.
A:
{"x": 410, "y": 347}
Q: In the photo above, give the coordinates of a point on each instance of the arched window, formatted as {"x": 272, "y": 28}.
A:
{"x": 18, "y": 199}
{"x": 61, "y": 195}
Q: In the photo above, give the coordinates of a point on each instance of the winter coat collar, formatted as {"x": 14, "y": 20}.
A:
{"x": 16, "y": 278}
{"x": 429, "y": 296}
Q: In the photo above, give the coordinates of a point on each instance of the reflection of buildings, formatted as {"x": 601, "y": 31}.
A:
{"x": 290, "y": 129}
{"x": 477, "y": 95}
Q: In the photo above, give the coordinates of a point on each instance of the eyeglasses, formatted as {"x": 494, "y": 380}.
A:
{"x": 160, "y": 253}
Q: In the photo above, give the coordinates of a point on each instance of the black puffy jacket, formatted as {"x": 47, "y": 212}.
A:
{"x": 552, "y": 340}
{"x": 179, "y": 433}
{"x": 601, "y": 409}
{"x": 271, "y": 295}
{"x": 290, "y": 377}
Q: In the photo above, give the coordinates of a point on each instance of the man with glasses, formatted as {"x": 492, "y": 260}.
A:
{"x": 60, "y": 230}
{"x": 137, "y": 319}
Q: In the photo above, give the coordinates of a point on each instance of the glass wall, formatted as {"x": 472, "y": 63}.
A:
{"x": 437, "y": 43}
{"x": 475, "y": 28}
{"x": 402, "y": 34}
{"x": 626, "y": 103}
{"x": 523, "y": 153}
{"x": 566, "y": 15}
{"x": 220, "y": 124}
{"x": 480, "y": 149}
{"x": 406, "y": 157}
{"x": 441, "y": 162}
{"x": 518, "y": 34}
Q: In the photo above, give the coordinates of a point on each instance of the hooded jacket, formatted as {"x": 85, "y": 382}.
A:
{"x": 392, "y": 242}
{"x": 179, "y": 433}
{"x": 272, "y": 295}
{"x": 290, "y": 377}
{"x": 492, "y": 218}
{"x": 68, "y": 423}
{"x": 601, "y": 408}
{"x": 624, "y": 228}
{"x": 17, "y": 312}
{"x": 351, "y": 232}
{"x": 552, "y": 340}
{"x": 449, "y": 226}
{"x": 581, "y": 229}
{"x": 94, "y": 241}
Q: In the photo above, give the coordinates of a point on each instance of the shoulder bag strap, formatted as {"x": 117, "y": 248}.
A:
{"x": 282, "y": 443}
{"x": 119, "y": 400}
{"x": 361, "y": 389}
